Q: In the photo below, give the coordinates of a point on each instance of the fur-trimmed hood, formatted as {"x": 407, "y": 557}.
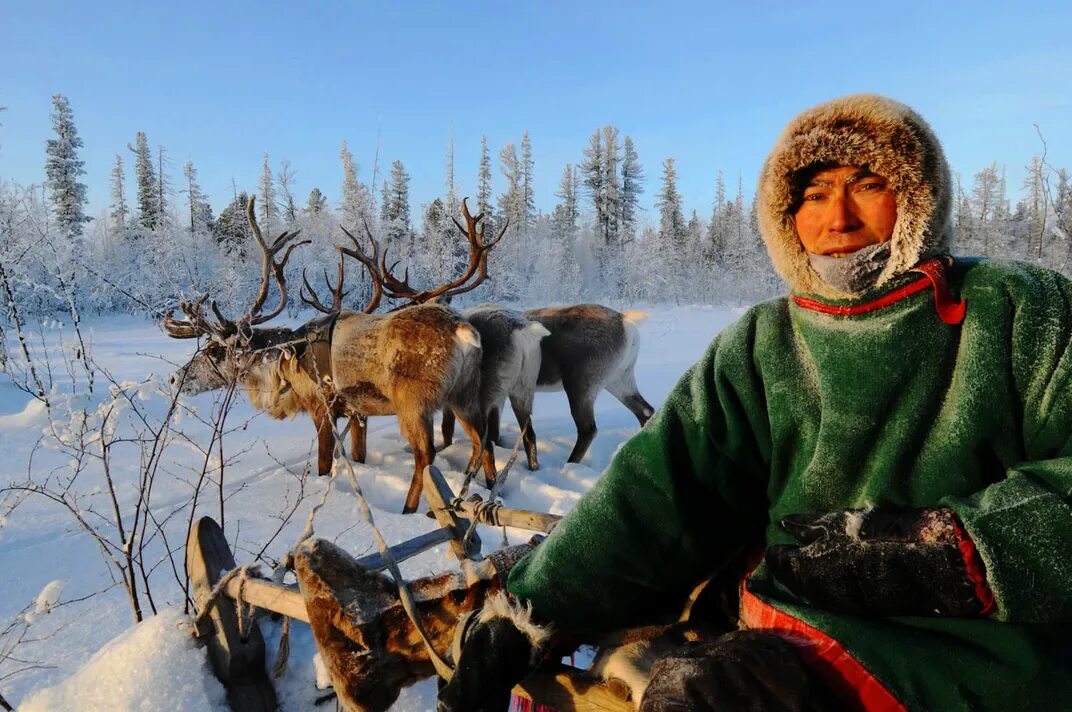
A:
{"x": 890, "y": 139}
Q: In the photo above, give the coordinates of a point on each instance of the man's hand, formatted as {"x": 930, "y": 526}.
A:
{"x": 743, "y": 670}
{"x": 501, "y": 647}
{"x": 883, "y": 562}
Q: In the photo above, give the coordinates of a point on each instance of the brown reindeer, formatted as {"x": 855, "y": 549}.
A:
{"x": 591, "y": 348}
{"x": 409, "y": 363}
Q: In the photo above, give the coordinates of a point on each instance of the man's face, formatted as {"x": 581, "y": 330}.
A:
{"x": 843, "y": 210}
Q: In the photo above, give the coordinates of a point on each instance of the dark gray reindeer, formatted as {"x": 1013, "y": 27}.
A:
{"x": 590, "y": 348}
{"x": 586, "y": 348}
{"x": 410, "y": 362}
{"x": 509, "y": 369}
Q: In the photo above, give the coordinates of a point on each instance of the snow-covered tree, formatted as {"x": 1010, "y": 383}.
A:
{"x": 395, "y": 212}
{"x": 483, "y": 180}
{"x": 119, "y": 210}
{"x": 593, "y": 176}
{"x": 528, "y": 195}
{"x": 231, "y": 225}
{"x": 316, "y": 202}
{"x": 200, "y": 210}
{"x": 512, "y": 202}
{"x": 163, "y": 187}
{"x": 285, "y": 180}
{"x": 671, "y": 216}
{"x": 716, "y": 229}
{"x": 632, "y": 186}
{"x": 452, "y": 191}
{"x": 269, "y": 212}
{"x": 148, "y": 205}
{"x": 356, "y": 205}
{"x": 612, "y": 189}
{"x": 62, "y": 170}
{"x": 564, "y": 218}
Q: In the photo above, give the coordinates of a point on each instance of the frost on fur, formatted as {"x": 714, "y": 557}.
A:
{"x": 519, "y": 614}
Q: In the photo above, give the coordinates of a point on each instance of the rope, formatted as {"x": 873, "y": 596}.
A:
{"x": 243, "y": 574}
{"x": 492, "y": 506}
{"x": 283, "y": 655}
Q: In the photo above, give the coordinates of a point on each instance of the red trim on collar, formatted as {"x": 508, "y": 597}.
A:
{"x": 933, "y": 271}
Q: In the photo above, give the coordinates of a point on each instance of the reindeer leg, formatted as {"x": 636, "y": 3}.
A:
{"x": 358, "y": 438}
{"x": 475, "y": 427}
{"x": 447, "y": 426}
{"x": 627, "y": 393}
{"x": 522, "y": 407}
{"x": 494, "y": 416}
{"x": 581, "y": 407}
{"x": 417, "y": 429}
{"x": 325, "y": 441}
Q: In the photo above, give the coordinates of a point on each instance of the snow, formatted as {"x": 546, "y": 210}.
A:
{"x": 154, "y": 665}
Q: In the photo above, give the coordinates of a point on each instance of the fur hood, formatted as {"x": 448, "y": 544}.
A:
{"x": 889, "y": 138}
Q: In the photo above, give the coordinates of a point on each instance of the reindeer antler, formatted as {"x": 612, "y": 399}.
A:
{"x": 478, "y": 264}
{"x": 337, "y": 294}
{"x": 196, "y": 324}
{"x": 370, "y": 262}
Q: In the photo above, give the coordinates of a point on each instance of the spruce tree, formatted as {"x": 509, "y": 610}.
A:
{"x": 356, "y": 201}
{"x": 483, "y": 182}
{"x": 452, "y": 193}
{"x": 564, "y": 217}
{"x": 528, "y": 199}
{"x": 62, "y": 169}
{"x": 594, "y": 178}
{"x": 671, "y": 217}
{"x": 612, "y": 198}
{"x": 716, "y": 233}
{"x": 266, "y": 197}
{"x": 632, "y": 186}
{"x": 200, "y": 211}
{"x": 396, "y": 204}
{"x": 145, "y": 178}
{"x": 162, "y": 186}
{"x": 119, "y": 208}
{"x": 316, "y": 202}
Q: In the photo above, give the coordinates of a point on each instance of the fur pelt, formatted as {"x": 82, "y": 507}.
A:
{"x": 891, "y": 140}
{"x": 366, "y": 640}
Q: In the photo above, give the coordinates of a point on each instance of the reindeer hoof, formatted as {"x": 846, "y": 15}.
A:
{"x": 409, "y": 509}
{"x": 489, "y": 483}
{"x": 533, "y": 465}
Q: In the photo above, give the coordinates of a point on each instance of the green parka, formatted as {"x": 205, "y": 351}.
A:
{"x": 845, "y": 401}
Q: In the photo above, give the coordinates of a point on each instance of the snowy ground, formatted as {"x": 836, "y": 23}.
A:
{"x": 54, "y": 574}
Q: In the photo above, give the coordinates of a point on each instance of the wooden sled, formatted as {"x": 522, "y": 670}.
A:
{"x": 238, "y": 656}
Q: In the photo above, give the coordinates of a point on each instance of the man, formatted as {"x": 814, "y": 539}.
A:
{"x": 887, "y": 451}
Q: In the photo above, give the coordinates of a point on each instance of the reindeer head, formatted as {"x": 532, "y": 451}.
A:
{"x": 234, "y": 347}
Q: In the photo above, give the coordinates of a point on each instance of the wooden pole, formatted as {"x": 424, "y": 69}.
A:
{"x": 439, "y": 496}
{"x": 508, "y": 517}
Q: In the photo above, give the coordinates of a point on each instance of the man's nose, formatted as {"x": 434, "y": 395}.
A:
{"x": 842, "y": 215}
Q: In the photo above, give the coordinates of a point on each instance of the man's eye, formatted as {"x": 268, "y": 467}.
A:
{"x": 813, "y": 197}
{"x": 872, "y": 185}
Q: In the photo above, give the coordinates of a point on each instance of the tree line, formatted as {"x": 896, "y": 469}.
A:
{"x": 596, "y": 243}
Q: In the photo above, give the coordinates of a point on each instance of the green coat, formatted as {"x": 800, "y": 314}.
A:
{"x": 793, "y": 410}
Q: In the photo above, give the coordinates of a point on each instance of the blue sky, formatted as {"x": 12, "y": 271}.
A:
{"x": 710, "y": 84}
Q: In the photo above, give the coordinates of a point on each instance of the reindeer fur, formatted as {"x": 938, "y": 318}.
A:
{"x": 367, "y": 641}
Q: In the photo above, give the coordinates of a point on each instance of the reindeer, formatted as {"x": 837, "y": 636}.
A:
{"x": 409, "y": 363}
{"x": 510, "y": 366}
{"x": 590, "y": 348}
